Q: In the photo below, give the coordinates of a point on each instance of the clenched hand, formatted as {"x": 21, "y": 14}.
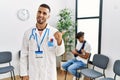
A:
{"x": 58, "y": 37}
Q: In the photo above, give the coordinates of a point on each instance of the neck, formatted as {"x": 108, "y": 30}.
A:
{"x": 81, "y": 41}
{"x": 41, "y": 26}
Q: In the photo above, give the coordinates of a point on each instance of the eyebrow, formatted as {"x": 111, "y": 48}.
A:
{"x": 43, "y": 12}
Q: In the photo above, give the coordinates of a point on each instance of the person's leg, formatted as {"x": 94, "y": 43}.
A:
{"x": 73, "y": 68}
{"x": 67, "y": 64}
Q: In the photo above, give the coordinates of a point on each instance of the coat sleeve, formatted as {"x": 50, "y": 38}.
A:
{"x": 60, "y": 49}
{"x": 24, "y": 57}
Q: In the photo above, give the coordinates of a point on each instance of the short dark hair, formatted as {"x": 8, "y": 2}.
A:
{"x": 45, "y": 6}
{"x": 79, "y": 34}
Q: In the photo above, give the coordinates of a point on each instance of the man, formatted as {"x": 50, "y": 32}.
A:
{"x": 41, "y": 44}
{"x": 82, "y": 53}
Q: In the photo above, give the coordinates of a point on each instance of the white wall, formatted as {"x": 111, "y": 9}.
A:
{"x": 111, "y": 32}
{"x": 12, "y": 29}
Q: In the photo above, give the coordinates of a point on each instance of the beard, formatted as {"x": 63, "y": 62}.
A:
{"x": 40, "y": 20}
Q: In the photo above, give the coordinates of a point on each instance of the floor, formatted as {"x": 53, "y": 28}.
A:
{"x": 60, "y": 76}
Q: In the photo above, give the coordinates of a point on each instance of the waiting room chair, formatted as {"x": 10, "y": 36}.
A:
{"x": 100, "y": 61}
{"x": 79, "y": 69}
{"x": 6, "y": 57}
{"x": 85, "y": 67}
{"x": 116, "y": 70}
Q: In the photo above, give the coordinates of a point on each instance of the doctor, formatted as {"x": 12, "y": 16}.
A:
{"x": 41, "y": 44}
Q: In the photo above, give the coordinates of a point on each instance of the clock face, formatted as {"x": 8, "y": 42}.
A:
{"x": 23, "y": 14}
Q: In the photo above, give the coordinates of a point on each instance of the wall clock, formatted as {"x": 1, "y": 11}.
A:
{"x": 23, "y": 14}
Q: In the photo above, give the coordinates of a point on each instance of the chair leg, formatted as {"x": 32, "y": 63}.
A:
{"x": 11, "y": 75}
{"x": 14, "y": 75}
{"x": 79, "y": 78}
{"x": 76, "y": 78}
{"x": 93, "y": 79}
{"x": 79, "y": 75}
{"x": 76, "y": 74}
{"x": 104, "y": 76}
{"x": 66, "y": 74}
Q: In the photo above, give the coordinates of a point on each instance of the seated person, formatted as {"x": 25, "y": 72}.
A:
{"x": 81, "y": 53}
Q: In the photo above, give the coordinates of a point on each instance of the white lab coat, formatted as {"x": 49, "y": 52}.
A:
{"x": 40, "y": 68}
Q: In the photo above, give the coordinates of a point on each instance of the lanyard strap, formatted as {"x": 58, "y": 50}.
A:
{"x": 32, "y": 34}
{"x": 41, "y": 39}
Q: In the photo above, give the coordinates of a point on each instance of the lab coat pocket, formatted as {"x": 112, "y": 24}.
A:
{"x": 51, "y": 46}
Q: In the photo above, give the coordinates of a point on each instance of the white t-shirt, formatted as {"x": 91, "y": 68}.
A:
{"x": 87, "y": 49}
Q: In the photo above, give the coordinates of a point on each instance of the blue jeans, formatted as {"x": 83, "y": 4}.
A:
{"x": 72, "y": 66}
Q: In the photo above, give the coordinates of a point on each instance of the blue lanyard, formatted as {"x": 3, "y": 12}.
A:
{"x": 32, "y": 34}
{"x": 38, "y": 45}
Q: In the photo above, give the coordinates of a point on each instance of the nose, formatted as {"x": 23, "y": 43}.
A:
{"x": 40, "y": 14}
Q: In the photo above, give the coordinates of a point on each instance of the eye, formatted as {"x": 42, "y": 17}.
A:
{"x": 44, "y": 13}
{"x": 39, "y": 12}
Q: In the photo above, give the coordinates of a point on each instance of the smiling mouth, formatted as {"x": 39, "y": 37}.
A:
{"x": 39, "y": 18}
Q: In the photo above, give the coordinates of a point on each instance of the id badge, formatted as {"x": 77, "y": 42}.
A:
{"x": 39, "y": 54}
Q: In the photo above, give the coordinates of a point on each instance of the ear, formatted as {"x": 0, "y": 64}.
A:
{"x": 48, "y": 16}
